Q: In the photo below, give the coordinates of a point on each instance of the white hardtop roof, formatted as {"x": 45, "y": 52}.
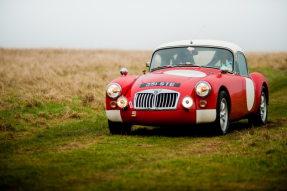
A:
{"x": 198, "y": 42}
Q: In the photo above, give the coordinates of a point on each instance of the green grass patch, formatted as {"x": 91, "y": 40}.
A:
{"x": 67, "y": 146}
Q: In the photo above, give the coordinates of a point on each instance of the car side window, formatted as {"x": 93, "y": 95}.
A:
{"x": 242, "y": 64}
{"x": 237, "y": 71}
{"x": 157, "y": 61}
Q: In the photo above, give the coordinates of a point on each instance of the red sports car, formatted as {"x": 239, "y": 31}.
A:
{"x": 189, "y": 82}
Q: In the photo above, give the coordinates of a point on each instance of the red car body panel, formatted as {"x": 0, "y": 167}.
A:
{"x": 244, "y": 92}
{"x": 235, "y": 85}
{"x": 176, "y": 117}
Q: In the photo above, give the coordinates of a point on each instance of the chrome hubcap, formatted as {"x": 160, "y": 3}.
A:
{"x": 223, "y": 114}
{"x": 263, "y": 109}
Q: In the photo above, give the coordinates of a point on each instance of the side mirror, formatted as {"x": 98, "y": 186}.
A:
{"x": 147, "y": 64}
{"x": 223, "y": 70}
{"x": 124, "y": 72}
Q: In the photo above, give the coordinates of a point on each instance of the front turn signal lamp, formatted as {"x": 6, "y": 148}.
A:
{"x": 114, "y": 90}
{"x": 113, "y": 104}
{"x": 202, "y": 103}
{"x": 203, "y": 89}
{"x": 122, "y": 102}
{"x": 187, "y": 102}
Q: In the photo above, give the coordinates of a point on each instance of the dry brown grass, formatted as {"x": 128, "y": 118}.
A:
{"x": 38, "y": 75}
{"x": 35, "y": 76}
{"x": 31, "y": 129}
{"x": 276, "y": 60}
{"x": 6, "y": 127}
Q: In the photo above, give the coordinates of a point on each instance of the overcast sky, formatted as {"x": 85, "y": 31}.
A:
{"x": 253, "y": 25}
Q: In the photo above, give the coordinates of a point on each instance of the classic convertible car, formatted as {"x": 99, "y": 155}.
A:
{"x": 189, "y": 82}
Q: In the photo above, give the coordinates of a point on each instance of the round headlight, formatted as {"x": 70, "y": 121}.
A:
{"x": 187, "y": 102}
{"x": 203, "y": 89}
{"x": 114, "y": 90}
{"x": 122, "y": 102}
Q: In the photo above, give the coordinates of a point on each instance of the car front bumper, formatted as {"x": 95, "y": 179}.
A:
{"x": 177, "y": 117}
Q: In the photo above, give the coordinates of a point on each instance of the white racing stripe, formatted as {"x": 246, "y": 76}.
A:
{"x": 205, "y": 116}
{"x": 114, "y": 115}
{"x": 249, "y": 93}
{"x": 186, "y": 73}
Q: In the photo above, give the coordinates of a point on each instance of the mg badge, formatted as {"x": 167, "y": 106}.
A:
{"x": 155, "y": 92}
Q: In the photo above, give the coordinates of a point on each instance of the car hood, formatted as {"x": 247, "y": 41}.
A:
{"x": 174, "y": 75}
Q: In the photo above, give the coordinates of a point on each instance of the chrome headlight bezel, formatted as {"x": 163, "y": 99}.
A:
{"x": 189, "y": 104}
{"x": 119, "y": 93}
{"x": 208, "y": 91}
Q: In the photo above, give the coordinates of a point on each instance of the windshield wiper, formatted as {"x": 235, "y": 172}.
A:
{"x": 187, "y": 65}
{"x": 161, "y": 67}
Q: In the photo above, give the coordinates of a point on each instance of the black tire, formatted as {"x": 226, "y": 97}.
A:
{"x": 117, "y": 128}
{"x": 222, "y": 113}
{"x": 257, "y": 119}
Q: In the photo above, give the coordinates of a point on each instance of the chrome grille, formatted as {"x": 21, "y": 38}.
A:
{"x": 156, "y": 99}
{"x": 145, "y": 100}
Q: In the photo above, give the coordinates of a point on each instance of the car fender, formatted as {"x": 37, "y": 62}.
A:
{"x": 259, "y": 81}
{"x": 125, "y": 82}
{"x": 235, "y": 89}
{"x": 216, "y": 82}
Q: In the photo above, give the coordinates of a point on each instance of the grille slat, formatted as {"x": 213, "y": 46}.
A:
{"x": 169, "y": 100}
{"x": 172, "y": 97}
{"x": 151, "y": 100}
{"x": 144, "y": 98}
{"x": 161, "y": 100}
{"x": 137, "y": 99}
{"x": 147, "y": 100}
{"x": 164, "y": 100}
{"x": 140, "y": 100}
{"x": 172, "y": 105}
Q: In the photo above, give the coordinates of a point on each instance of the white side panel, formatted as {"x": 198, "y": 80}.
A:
{"x": 186, "y": 73}
{"x": 205, "y": 116}
{"x": 114, "y": 115}
{"x": 250, "y": 93}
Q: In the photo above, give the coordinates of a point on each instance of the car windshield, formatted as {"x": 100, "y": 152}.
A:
{"x": 191, "y": 56}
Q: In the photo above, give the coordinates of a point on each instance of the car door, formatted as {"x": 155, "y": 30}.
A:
{"x": 237, "y": 92}
{"x": 247, "y": 84}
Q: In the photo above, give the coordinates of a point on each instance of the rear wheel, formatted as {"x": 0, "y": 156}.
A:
{"x": 222, "y": 119}
{"x": 119, "y": 128}
{"x": 260, "y": 117}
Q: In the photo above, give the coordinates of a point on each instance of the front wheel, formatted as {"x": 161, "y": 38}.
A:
{"x": 260, "y": 117}
{"x": 222, "y": 118}
{"x": 119, "y": 128}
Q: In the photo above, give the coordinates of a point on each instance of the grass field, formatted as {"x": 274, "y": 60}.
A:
{"x": 54, "y": 133}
